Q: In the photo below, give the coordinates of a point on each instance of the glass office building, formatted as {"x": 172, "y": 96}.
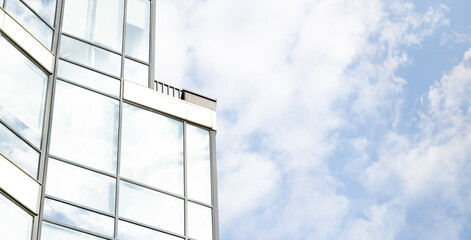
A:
{"x": 91, "y": 147}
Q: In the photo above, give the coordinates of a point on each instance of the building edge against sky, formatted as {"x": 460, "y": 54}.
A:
{"x": 91, "y": 146}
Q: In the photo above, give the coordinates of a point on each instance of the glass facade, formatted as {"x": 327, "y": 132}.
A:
{"x": 15, "y": 149}
{"x": 80, "y": 186}
{"x": 85, "y": 122}
{"x": 199, "y": 221}
{"x": 136, "y": 72}
{"x": 97, "y": 21}
{"x": 137, "y": 29}
{"x": 106, "y": 166}
{"x": 46, "y": 9}
{"x": 89, "y": 55}
{"x": 142, "y": 159}
{"x": 54, "y": 232}
{"x": 70, "y": 72}
{"x": 198, "y": 155}
{"x": 151, "y": 207}
{"x": 23, "y": 86}
{"x": 31, "y": 21}
{"x": 129, "y": 231}
{"x": 78, "y": 217}
{"x": 15, "y": 222}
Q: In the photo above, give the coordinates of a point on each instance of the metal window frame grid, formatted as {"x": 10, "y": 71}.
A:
{"x": 47, "y": 123}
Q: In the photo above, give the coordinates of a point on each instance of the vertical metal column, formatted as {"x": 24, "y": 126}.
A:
{"x": 45, "y": 141}
{"x": 214, "y": 186}
{"x": 185, "y": 181}
{"x": 120, "y": 119}
{"x": 152, "y": 30}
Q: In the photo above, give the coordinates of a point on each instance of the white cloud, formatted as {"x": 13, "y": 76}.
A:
{"x": 442, "y": 226}
{"x": 249, "y": 183}
{"x": 435, "y": 163}
{"x": 379, "y": 222}
{"x": 413, "y": 26}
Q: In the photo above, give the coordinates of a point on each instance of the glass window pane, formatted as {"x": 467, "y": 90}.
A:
{"x": 152, "y": 149}
{"x": 98, "y": 21}
{"x": 199, "y": 222}
{"x": 80, "y": 186}
{"x": 198, "y": 170}
{"x": 22, "y": 93}
{"x": 90, "y": 56}
{"x": 15, "y": 223}
{"x": 151, "y": 207}
{"x": 30, "y": 21}
{"x": 45, "y": 8}
{"x": 88, "y": 78}
{"x": 85, "y": 127}
{"x": 12, "y": 147}
{"x": 136, "y": 72}
{"x": 137, "y": 29}
{"x": 78, "y": 217}
{"x": 129, "y": 231}
{"x": 51, "y": 231}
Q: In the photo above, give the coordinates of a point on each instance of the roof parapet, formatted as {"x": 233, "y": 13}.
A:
{"x": 199, "y": 99}
{"x": 186, "y": 95}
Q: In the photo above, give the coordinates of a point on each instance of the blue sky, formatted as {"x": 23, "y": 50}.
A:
{"x": 337, "y": 119}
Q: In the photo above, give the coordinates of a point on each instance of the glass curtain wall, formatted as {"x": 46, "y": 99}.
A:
{"x": 107, "y": 37}
{"x": 117, "y": 170}
{"x": 37, "y": 16}
{"x": 22, "y": 101}
{"x": 109, "y": 169}
{"x": 15, "y": 222}
{"x": 144, "y": 189}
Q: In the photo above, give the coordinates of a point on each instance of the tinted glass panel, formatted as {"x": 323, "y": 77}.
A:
{"x": 88, "y": 78}
{"x": 80, "y": 186}
{"x": 98, "y": 21}
{"x": 91, "y": 56}
{"x": 12, "y": 147}
{"x": 15, "y": 223}
{"x": 30, "y": 21}
{"x": 85, "y": 127}
{"x": 137, "y": 29}
{"x": 78, "y": 217}
{"x": 45, "y": 8}
{"x": 198, "y": 170}
{"x": 152, "y": 154}
{"x": 22, "y": 93}
{"x": 199, "y": 222}
{"x": 129, "y": 231}
{"x": 151, "y": 207}
{"x": 136, "y": 72}
{"x": 53, "y": 232}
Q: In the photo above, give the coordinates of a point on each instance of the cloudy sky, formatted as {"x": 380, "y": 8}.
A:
{"x": 338, "y": 119}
